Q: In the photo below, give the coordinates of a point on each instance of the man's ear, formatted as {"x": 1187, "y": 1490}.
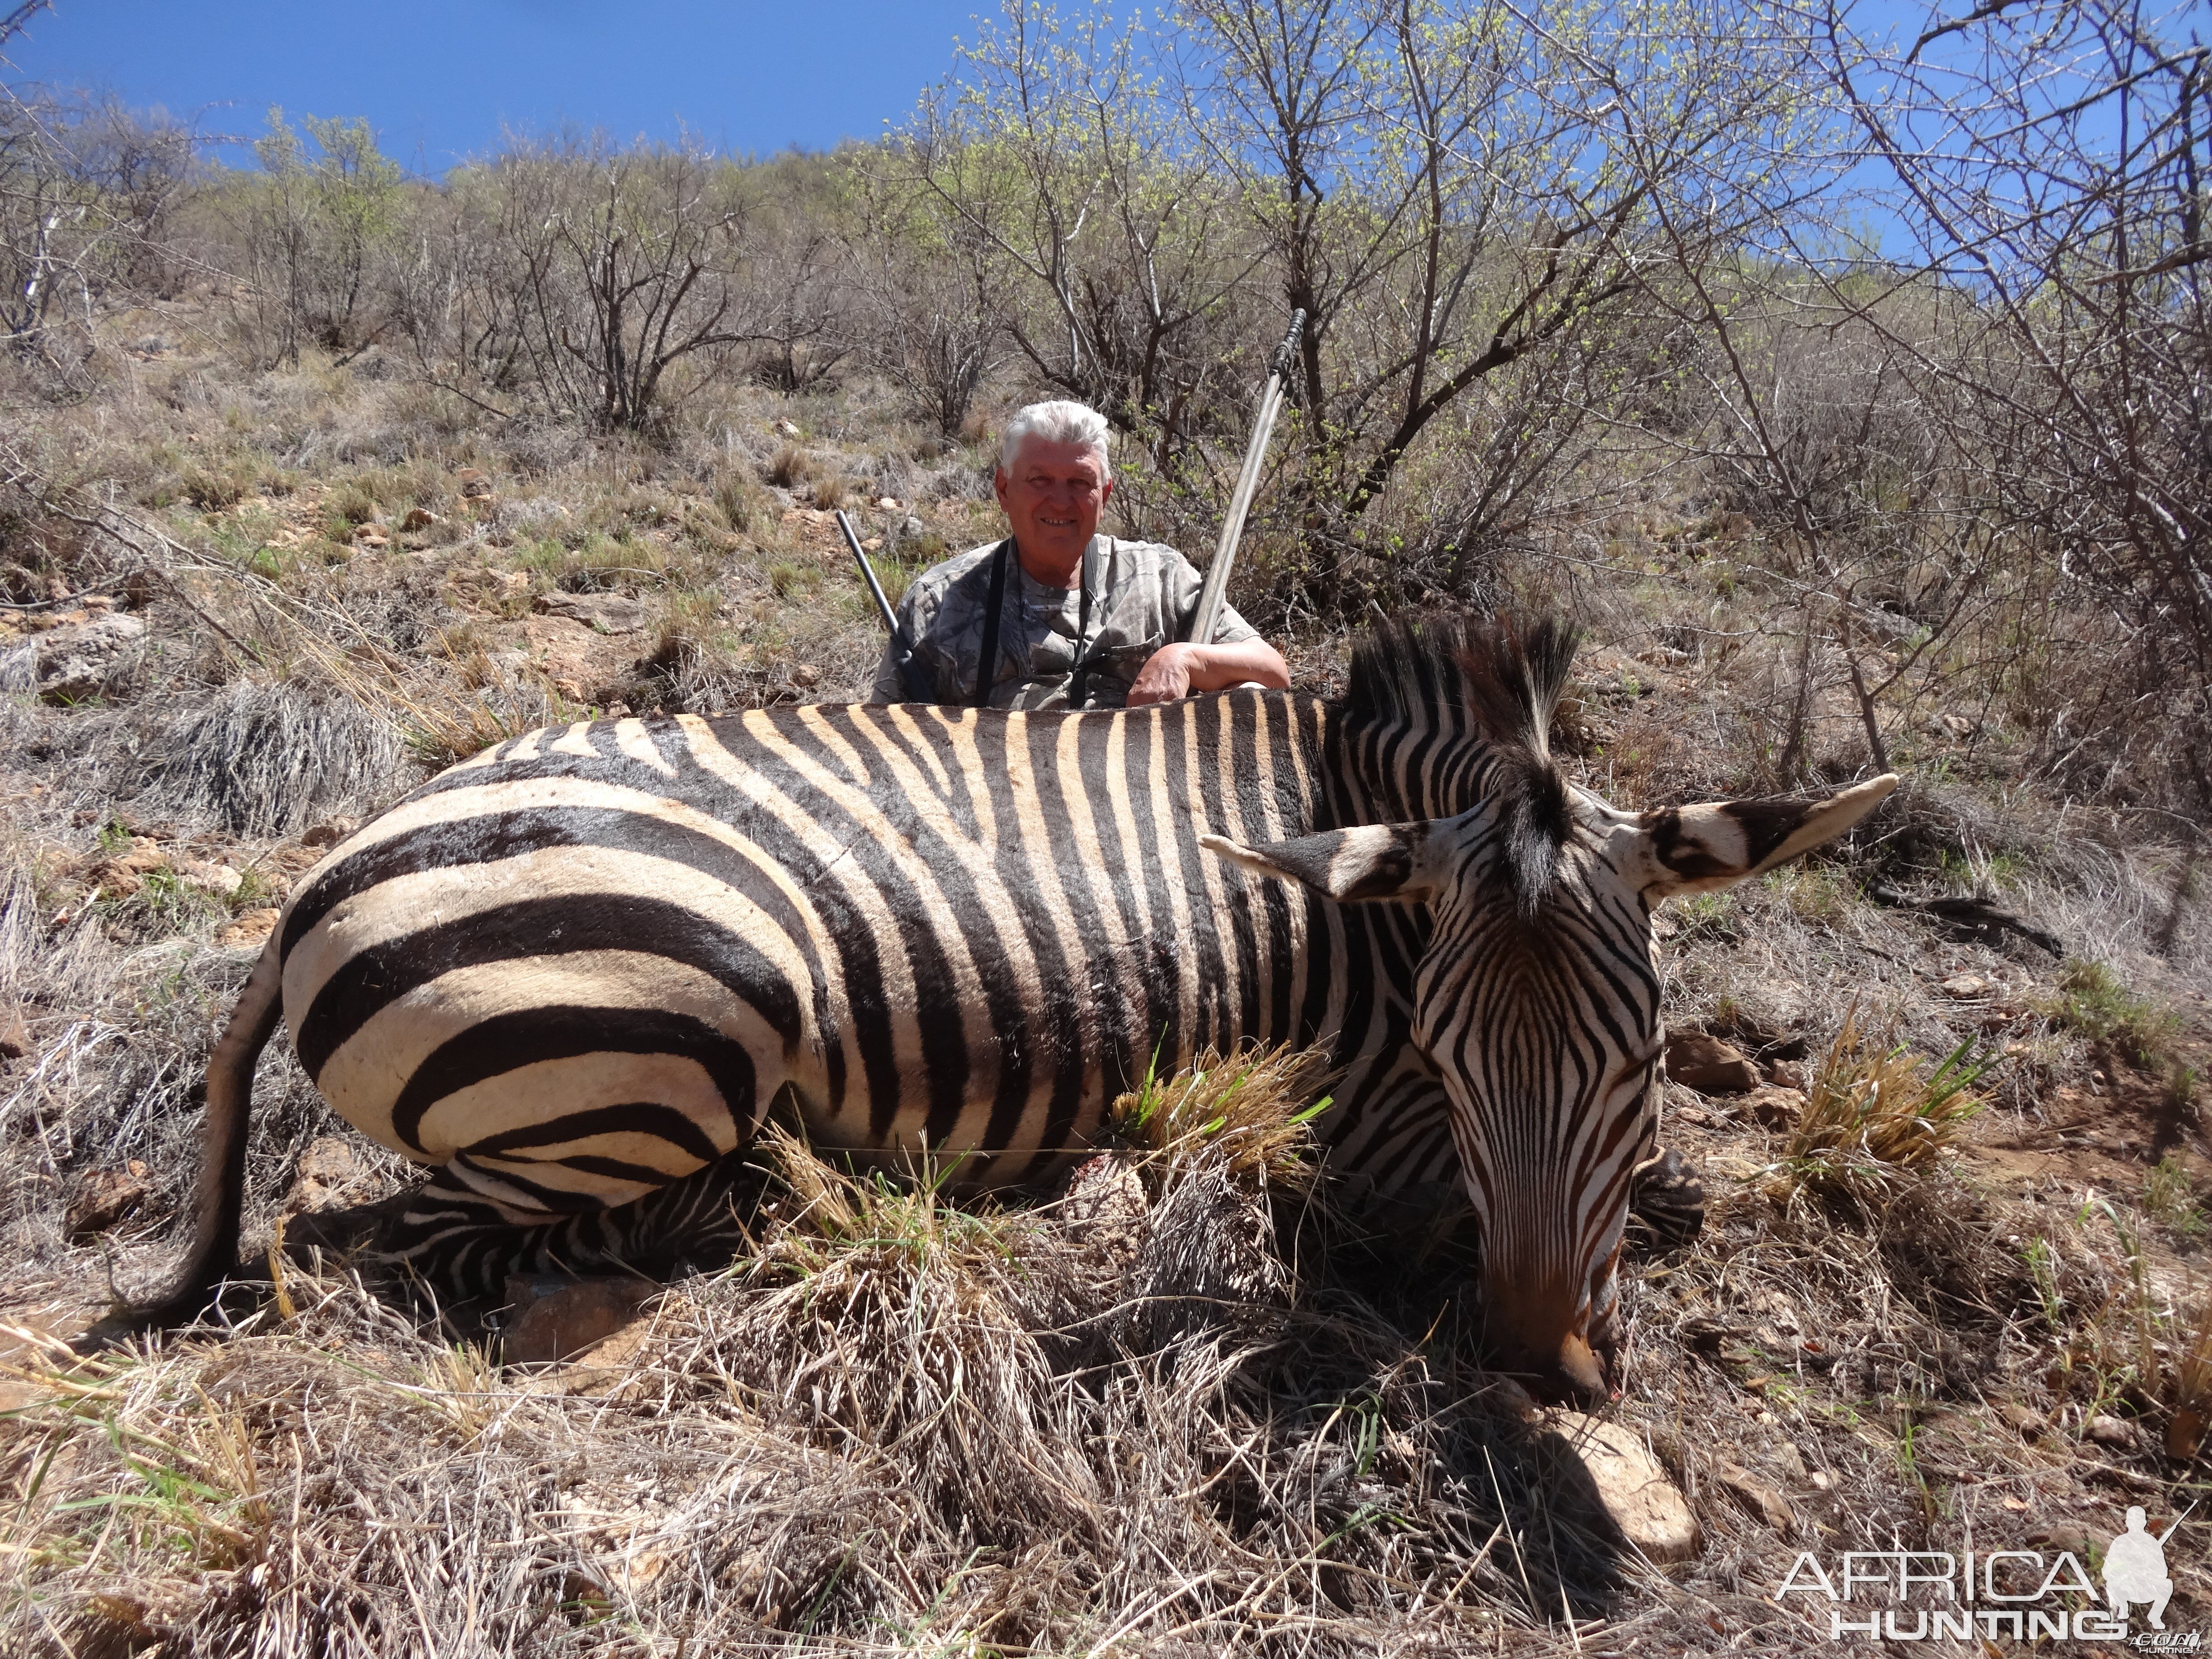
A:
{"x": 1704, "y": 849}
{"x": 1385, "y": 863}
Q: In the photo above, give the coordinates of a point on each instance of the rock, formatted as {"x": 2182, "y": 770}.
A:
{"x": 911, "y": 528}
{"x": 370, "y": 537}
{"x": 1758, "y": 1497}
{"x": 1967, "y": 988}
{"x": 2114, "y": 1432}
{"x": 1704, "y": 1063}
{"x": 608, "y": 612}
{"x": 475, "y": 483}
{"x": 888, "y": 503}
{"x": 419, "y": 518}
{"x": 1637, "y": 1492}
{"x": 804, "y": 675}
{"x": 1785, "y": 1074}
{"x": 1778, "y": 1109}
{"x": 327, "y": 1170}
{"x": 103, "y": 1199}
{"x": 786, "y": 429}
{"x": 604, "y": 1367}
{"x": 560, "y": 1318}
{"x": 219, "y": 879}
{"x": 250, "y": 930}
{"x": 15, "y": 1032}
{"x": 76, "y": 659}
{"x": 124, "y": 873}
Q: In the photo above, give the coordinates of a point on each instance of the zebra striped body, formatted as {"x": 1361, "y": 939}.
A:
{"x": 588, "y": 964}
{"x": 923, "y": 927}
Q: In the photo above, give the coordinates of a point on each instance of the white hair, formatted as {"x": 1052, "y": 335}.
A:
{"x": 1060, "y": 421}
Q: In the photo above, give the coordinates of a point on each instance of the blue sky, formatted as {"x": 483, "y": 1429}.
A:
{"x": 438, "y": 80}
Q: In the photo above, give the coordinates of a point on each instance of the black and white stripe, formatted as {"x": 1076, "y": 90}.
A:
{"x": 585, "y": 965}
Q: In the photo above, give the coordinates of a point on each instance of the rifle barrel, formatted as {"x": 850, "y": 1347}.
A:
{"x": 1211, "y": 596}
{"x": 868, "y": 573}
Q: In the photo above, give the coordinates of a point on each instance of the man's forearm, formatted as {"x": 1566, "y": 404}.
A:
{"x": 1176, "y": 670}
{"x": 1215, "y": 667}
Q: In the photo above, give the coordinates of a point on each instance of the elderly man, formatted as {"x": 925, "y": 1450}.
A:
{"x": 1058, "y": 616}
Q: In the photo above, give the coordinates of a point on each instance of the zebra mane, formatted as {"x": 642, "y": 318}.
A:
{"x": 1502, "y": 672}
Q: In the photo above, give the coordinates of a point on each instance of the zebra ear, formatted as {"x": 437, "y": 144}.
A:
{"x": 1704, "y": 849}
{"x": 1372, "y": 863}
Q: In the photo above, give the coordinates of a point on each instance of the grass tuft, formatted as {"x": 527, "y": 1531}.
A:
{"x": 1253, "y": 1110}
{"x": 261, "y": 759}
{"x": 1873, "y": 1114}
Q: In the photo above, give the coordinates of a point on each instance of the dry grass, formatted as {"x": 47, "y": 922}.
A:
{"x": 2189, "y": 1397}
{"x": 895, "y": 1428}
{"x": 266, "y": 761}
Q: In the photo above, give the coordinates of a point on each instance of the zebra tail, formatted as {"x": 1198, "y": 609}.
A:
{"x": 219, "y": 1198}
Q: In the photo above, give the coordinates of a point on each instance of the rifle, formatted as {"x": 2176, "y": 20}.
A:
{"x": 902, "y": 646}
{"x": 1210, "y": 596}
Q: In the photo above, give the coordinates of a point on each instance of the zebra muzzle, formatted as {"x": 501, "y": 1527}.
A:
{"x": 1581, "y": 1367}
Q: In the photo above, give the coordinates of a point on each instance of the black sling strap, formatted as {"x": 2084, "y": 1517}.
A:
{"x": 988, "y": 667}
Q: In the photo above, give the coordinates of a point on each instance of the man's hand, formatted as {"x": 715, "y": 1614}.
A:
{"x": 1176, "y": 670}
{"x": 1164, "y": 677}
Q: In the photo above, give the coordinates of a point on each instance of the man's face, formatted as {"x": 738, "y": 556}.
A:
{"x": 1052, "y": 497}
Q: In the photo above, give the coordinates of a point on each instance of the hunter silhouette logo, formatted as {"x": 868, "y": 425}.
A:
{"x": 2135, "y": 1569}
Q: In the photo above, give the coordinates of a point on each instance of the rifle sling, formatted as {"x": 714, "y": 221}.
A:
{"x": 987, "y": 665}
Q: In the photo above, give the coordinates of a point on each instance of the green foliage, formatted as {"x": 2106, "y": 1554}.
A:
{"x": 1253, "y": 1107}
{"x": 311, "y": 222}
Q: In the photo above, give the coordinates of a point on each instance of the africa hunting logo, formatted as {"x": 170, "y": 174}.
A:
{"x": 2019, "y": 1594}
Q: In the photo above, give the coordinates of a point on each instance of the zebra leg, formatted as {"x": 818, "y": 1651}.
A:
{"x": 1666, "y": 1202}
{"x": 461, "y": 1244}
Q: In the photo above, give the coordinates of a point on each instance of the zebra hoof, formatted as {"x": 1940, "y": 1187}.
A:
{"x": 1666, "y": 1203}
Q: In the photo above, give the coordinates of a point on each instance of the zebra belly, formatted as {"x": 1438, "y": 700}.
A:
{"x": 567, "y": 1028}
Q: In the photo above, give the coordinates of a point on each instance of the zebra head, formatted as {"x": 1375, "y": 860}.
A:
{"x": 1536, "y": 998}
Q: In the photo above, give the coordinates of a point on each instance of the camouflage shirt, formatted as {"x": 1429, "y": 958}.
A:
{"x": 1143, "y": 597}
